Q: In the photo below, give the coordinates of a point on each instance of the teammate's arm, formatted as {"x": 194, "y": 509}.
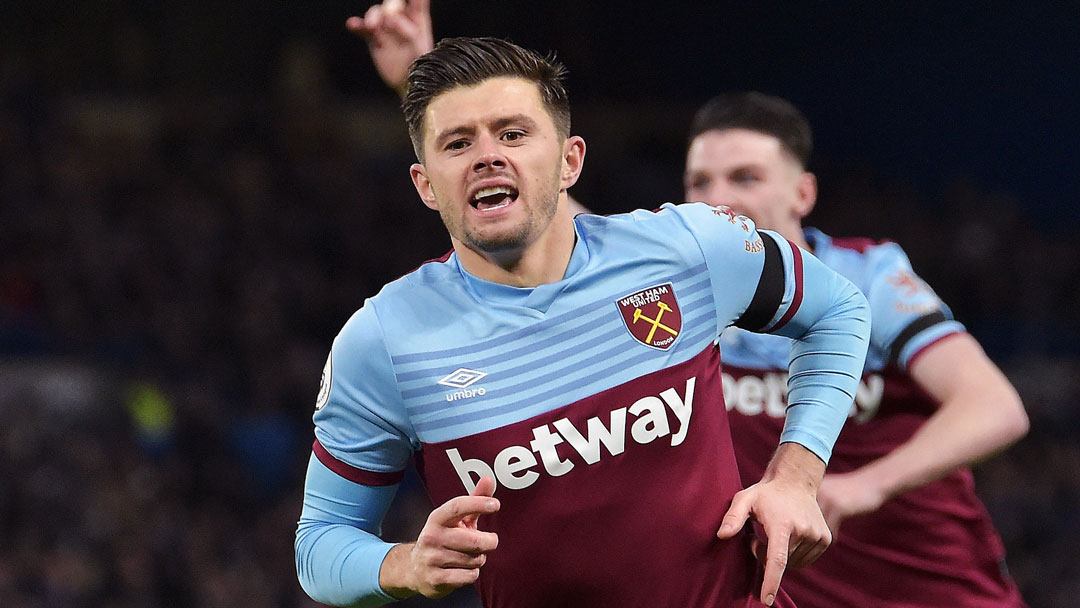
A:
{"x": 980, "y": 414}
{"x": 396, "y": 33}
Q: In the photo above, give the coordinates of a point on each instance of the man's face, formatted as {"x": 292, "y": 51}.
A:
{"x": 493, "y": 164}
{"x": 750, "y": 172}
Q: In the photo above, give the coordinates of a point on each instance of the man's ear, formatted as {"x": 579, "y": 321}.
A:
{"x": 806, "y": 191}
{"x": 573, "y": 161}
{"x": 423, "y": 186}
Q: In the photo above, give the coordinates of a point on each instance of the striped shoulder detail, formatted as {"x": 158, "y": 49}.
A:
{"x": 546, "y": 364}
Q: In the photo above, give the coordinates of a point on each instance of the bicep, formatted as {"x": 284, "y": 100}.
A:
{"x": 956, "y": 366}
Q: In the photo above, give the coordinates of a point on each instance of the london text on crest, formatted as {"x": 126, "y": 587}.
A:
{"x": 652, "y": 315}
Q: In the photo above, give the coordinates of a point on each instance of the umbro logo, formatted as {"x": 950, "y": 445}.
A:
{"x": 462, "y": 377}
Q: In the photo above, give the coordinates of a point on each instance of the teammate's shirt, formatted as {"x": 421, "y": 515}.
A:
{"x": 595, "y": 402}
{"x": 933, "y": 546}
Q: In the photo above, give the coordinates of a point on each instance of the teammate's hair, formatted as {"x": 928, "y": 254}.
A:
{"x": 759, "y": 112}
{"x": 467, "y": 62}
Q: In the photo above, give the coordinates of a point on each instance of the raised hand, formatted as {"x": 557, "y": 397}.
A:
{"x": 396, "y": 33}
{"x": 449, "y": 551}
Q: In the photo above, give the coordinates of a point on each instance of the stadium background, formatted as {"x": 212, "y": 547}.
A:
{"x": 194, "y": 197}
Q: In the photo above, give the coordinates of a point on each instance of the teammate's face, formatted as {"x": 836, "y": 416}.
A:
{"x": 494, "y": 164}
{"x": 752, "y": 173}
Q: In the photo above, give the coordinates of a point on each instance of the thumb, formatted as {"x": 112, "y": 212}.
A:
{"x": 736, "y": 516}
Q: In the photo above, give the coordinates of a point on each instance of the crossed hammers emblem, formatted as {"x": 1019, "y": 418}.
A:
{"x": 655, "y": 322}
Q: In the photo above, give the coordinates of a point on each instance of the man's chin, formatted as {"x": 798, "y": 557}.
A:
{"x": 496, "y": 244}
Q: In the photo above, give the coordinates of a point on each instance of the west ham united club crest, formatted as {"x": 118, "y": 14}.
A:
{"x": 652, "y": 316}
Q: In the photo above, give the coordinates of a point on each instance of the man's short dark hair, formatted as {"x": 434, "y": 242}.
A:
{"x": 469, "y": 61}
{"x": 759, "y": 112}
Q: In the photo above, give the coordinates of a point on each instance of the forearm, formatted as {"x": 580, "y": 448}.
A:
{"x": 963, "y": 431}
{"x": 340, "y": 565}
{"x": 831, "y": 332}
{"x": 338, "y": 555}
{"x": 979, "y": 414}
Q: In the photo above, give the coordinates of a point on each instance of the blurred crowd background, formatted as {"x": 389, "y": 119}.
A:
{"x": 193, "y": 199}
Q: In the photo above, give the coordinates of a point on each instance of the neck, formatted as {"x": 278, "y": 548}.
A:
{"x": 794, "y": 233}
{"x": 542, "y": 261}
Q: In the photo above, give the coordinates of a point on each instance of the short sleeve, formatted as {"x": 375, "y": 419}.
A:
{"x": 908, "y": 315}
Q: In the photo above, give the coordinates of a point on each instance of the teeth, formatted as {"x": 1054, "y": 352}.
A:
{"x": 491, "y": 191}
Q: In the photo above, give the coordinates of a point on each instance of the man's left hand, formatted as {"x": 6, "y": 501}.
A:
{"x": 784, "y": 503}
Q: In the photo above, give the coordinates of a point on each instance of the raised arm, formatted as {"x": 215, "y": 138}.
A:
{"x": 396, "y": 33}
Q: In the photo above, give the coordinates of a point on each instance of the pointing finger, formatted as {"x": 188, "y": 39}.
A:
{"x": 776, "y": 559}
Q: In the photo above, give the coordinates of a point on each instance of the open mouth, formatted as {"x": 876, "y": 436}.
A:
{"x": 493, "y": 197}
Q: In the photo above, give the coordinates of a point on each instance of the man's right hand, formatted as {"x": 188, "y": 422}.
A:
{"x": 449, "y": 551}
{"x": 397, "y": 33}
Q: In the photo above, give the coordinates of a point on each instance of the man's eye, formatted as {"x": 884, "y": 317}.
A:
{"x": 699, "y": 184}
{"x": 744, "y": 178}
{"x": 512, "y": 135}
{"x": 458, "y": 144}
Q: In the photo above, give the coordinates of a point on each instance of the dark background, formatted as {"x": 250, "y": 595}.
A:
{"x": 195, "y": 196}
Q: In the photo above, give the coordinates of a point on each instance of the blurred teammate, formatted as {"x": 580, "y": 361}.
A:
{"x": 572, "y": 364}
{"x": 914, "y": 534}
{"x": 899, "y": 497}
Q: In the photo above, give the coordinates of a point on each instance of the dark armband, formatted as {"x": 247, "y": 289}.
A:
{"x": 913, "y": 329}
{"x": 770, "y": 291}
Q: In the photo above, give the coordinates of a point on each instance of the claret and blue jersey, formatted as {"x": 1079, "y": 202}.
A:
{"x": 932, "y": 546}
{"x": 594, "y": 402}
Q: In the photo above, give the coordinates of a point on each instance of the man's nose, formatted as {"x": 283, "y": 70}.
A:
{"x": 488, "y": 155}
{"x": 719, "y": 194}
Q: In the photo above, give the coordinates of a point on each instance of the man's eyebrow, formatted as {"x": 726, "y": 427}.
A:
{"x": 521, "y": 119}
{"x": 443, "y": 137}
